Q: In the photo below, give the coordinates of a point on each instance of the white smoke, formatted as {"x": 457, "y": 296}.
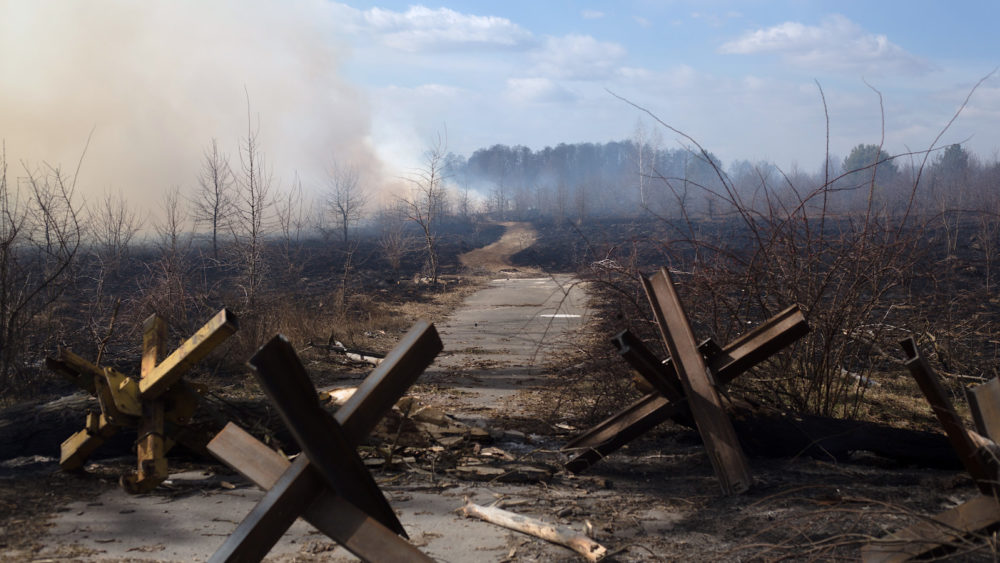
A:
{"x": 157, "y": 80}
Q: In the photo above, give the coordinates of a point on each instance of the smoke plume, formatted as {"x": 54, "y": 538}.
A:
{"x": 156, "y": 81}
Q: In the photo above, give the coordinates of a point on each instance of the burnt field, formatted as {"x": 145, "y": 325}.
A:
{"x": 908, "y": 283}
{"x": 655, "y": 499}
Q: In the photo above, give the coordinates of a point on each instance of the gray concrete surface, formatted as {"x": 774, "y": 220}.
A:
{"x": 503, "y": 336}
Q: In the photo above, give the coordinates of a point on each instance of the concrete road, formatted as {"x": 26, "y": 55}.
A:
{"x": 502, "y": 338}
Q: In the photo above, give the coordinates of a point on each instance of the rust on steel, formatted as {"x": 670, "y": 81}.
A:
{"x": 661, "y": 376}
{"x": 343, "y": 522}
{"x": 618, "y": 430}
{"x": 275, "y": 513}
{"x": 974, "y": 516}
{"x": 726, "y": 363}
{"x": 322, "y": 439}
{"x": 759, "y": 344}
{"x": 958, "y": 436}
{"x": 167, "y": 372}
{"x": 344, "y": 501}
{"x": 721, "y": 443}
{"x": 984, "y": 402}
{"x": 948, "y": 527}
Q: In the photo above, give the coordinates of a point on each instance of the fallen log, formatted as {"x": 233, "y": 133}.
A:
{"x": 352, "y": 354}
{"x": 559, "y": 535}
{"x": 774, "y": 434}
{"x": 38, "y": 428}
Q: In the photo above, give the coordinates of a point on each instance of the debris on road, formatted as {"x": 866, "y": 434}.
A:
{"x": 561, "y": 535}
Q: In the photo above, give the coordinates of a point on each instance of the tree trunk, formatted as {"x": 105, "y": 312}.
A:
{"x": 769, "y": 434}
{"x": 40, "y": 428}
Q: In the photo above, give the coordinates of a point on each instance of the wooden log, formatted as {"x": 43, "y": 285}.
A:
{"x": 561, "y": 535}
{"x": 38, "y": 428}
{"x": 773, "y": 434}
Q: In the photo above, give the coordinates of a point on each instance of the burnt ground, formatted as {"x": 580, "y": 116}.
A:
{"x": 656, "y": 500}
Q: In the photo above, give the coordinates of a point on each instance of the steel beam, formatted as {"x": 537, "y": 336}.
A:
{"x": 726, "y": 364}
{"x": 333, "y": 489}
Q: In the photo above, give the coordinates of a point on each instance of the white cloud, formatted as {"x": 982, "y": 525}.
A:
{"x": 643, "y": 22}
{"x": 592, "y": 14}
{"x": 421, "y": 28}
{"x": 578, "y": 57}
{"x": 837, "y": 44}
{"x": 537, "y": 90}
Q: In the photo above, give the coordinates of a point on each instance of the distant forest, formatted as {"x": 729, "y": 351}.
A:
{"x": 623, "y": 178}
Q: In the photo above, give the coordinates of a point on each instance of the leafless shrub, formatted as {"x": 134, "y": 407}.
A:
{"x": 40, "y": 239}
{"x": 252, "y": 221}
{"x": 783, "y": 243}
{"x": 290, "y": 212}
{"x": 167, "y": 287}
{"x": 393, "y": 240}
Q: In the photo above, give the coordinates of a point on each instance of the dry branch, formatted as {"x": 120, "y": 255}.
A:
{"x": 560, "y": 535}
{"x": 351, "y": 354}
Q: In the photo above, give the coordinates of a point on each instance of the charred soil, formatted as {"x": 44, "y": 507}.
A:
{"x": 655, "y": 500}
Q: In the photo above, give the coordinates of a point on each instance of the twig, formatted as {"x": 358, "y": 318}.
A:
{"x": 111, "y": 329}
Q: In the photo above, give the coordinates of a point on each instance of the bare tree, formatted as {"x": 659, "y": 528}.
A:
{"x": 291, "y": 215}
{"x": 213, "y": 202}
{"x": 170, "y": 226}
{"x": 252, "y": 204}
{"x": 346, "y": 199}
{"x": 427, "y": 201}
{"x": 166, "y": 288}
{"x": 40, "y": 238}
{"x": 645, "y": 145}
{"x": 113, "y": 226}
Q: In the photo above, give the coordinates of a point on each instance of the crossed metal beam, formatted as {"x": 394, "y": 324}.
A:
{"x": 158, "y": 403}
{"x": 687, "y": 387}
{"x": 327, "y": 484}
{"x": 976, "y": 449}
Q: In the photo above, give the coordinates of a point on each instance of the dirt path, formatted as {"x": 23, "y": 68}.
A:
{"x": 496, "y": 257}
{"x": 501, "y": 340}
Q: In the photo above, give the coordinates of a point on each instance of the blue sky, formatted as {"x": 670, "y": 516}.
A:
{"x": 373, "y": 83}
{"x": 740, "y": 77}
